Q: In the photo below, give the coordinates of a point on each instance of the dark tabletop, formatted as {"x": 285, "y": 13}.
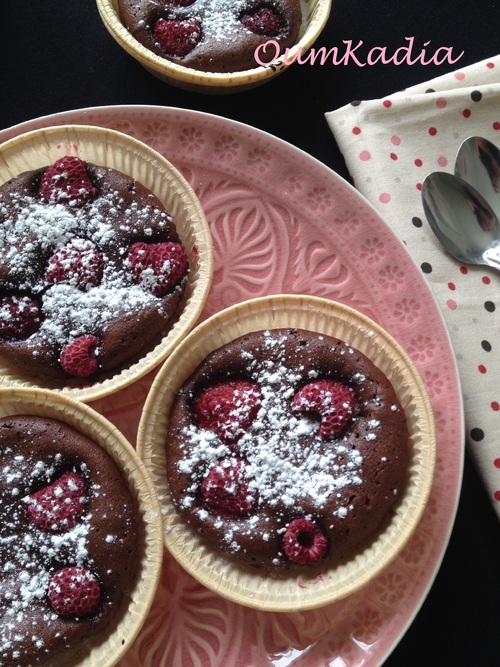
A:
{"x": 56, "y": 55}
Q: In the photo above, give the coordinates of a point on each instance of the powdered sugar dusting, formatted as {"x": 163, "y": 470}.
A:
{"x": 282, "y": 469}
{"x": 220, "y": 19}
{"x": 26, "y": 557}
{"x": 38, "y": 230}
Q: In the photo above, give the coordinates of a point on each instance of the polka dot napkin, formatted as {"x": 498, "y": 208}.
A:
{"x": 389, "y": 146}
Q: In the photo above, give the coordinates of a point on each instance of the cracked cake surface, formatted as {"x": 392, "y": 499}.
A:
{"x": 213, "y": 35}
{"x": 92, "y": 271}
{"x": 286, "y": 448}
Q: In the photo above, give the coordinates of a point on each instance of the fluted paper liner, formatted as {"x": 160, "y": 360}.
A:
{"x": 311, "y": 587}
{"x": 315, "y": 14}
{"x": 109, "y": 148}
{"x": 106, "y": 650}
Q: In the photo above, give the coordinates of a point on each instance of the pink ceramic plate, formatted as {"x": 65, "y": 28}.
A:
{"x": 283, "y": 222}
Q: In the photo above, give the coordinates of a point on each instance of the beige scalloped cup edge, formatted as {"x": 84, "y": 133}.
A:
{"x": 315, "y": 14}
{"x": 106, "y": 651}
{"x": 313, "y": 588}
{"x": 109, "y": 148}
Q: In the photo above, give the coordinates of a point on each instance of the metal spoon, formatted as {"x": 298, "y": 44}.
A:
{"x": 462, "y": 219}
{"x": 478, "y": 163}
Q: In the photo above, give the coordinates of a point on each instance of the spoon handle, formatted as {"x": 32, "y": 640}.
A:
{"x": 492, "y": 257}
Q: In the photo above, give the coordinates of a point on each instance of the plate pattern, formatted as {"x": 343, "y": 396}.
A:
{"x": 284, "y": 223}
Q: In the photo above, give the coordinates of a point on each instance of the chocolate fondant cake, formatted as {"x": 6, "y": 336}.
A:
{"x": 286, "y": 448}
{"x": 92, "y": 271}
{"x": 69, "y": 547}
{"x": 212, "y": 35}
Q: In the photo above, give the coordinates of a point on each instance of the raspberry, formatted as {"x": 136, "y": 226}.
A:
{"x": 74, "y": 592}
{"x": 157, "y": 266}
{"x": 79, "y": 263}
{"x": 58, "y": 507}
{"x": 67, "y": 182}
{"x": 227, "y": 408}
{"x": 333, "y": 401}
{"x": 20, "y": 317}
{"x": 226, "y": 489}
{"x": 177, "y": 37}
{"x": 79, "y": 358}
{"x": 304, "y": 542}
{"x": 264, "y": 20}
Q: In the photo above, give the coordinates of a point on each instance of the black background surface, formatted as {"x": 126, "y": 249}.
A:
{"x": 56, "y": 55}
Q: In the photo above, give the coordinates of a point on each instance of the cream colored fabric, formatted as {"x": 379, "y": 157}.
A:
{"x": 389, "y": 146}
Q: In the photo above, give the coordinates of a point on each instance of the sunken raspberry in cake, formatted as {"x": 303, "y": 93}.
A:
{"x": 212, "y": 35}
{"x": 69, "y": 542}
{"x": 287, "y": 448}
{"x": 92, "y": 271}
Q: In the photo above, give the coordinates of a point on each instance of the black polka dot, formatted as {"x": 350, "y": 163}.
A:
{"x": 416, "y": 222}
{"x": 426, "y": 267}
{"x": 477, "y": 434}
{"x": 489, "y": 306}
{"x": 355, "y": 103}
{"x": 430, "y": 90}
{"x": 486, "y": 345}
{"x": 476, "y": 96}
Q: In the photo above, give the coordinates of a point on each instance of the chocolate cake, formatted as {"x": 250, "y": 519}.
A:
{"x": 69, "y": 544}
{"x": 287, "y": 448}
{"x": 213, "y": 35}
{"x": 92, "y": 271}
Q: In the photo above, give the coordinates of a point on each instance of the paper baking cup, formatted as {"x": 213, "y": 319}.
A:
{"x": 309, "y": 588}
{"x": 109, "y": 648}
{"x": 109, "y": 148}
{"x": 315, "y": 14}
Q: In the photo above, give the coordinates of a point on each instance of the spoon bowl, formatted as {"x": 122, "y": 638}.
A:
{"x": 461, "y": 218}
{"x": 478, "y": 163}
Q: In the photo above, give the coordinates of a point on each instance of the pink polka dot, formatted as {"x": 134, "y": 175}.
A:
{"x": 387, "y": 104}
{"x": 419, "y": 186}
{"x": 395, "y": 140}
{"x": 496, "y": 495}
{"x": 460, "y": 76}
{"x": 490, "y": 65}
{"x": 496, "y": 125}
{"x": 464, "y": 270}
{"x": 418, "y": 162}
{"x": 393, "y": 156}
{"x": 356, "y": 130}
{"x": 365, "y": 156}
{"x": 481, "y": 369}
{"x": 452, "y": 304}
{"x": 384, "y": 198}
{"x": 442, "y": 161}
{"x": 451, "y": 286}
{"x": 432, "y": 131}
{"x": 466, "y": 113}
{"x": 496, "y": 407}
{"x": 496, "y": 463}
{"x": 486, "y": 280}
{"x": 440, "y": 102}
